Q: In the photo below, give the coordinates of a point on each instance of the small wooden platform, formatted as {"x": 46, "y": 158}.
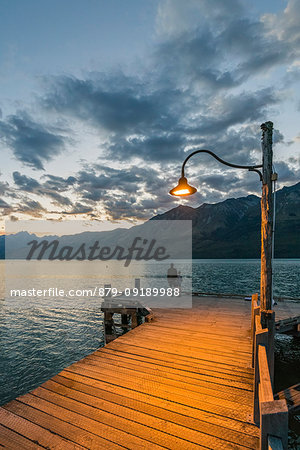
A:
{"x": 287, "y": 310}
{"x": 183, "y": 381}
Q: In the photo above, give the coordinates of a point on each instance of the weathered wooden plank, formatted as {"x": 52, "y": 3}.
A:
{"x": 192, "y": 363}
{"x": 177, "y": 346}
{"x": 202, "y": 330}
{"x": 226, "y": 383}
{"x": 187, "y": 351}
{"x": 127, "y": 406}
{"x": 40, "y": 436}
{"x": 261, "y": 339}
{"x": 103, "y": 423}
{"x": 192, "y": 416}
{"x": 11, "y": 440}
{"x": 163, "y": 432}
{"x": 214, "y": 390}
{"x": 225, "y": 408}
{"x": 198, "y": 333}
{"x": 198, "y": 342}
{"x": 265, "y": 387}
{"x": 68, "y": 431}
{"x": 190, "y": 369}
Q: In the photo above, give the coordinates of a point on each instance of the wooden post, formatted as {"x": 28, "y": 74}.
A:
{"x": 266, "y": 295}
{"x": 266, "y": 218}
{"x": 124, "y": 322}
{"x": 134, "y": 319}
{"x": 273, "y": 414}
{"x": 109, "y": 330}
{"x": 273, "y": 422}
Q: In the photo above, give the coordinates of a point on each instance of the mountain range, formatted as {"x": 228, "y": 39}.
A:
{"x": 228, "y": 229}
{"x": 231, "y": 229}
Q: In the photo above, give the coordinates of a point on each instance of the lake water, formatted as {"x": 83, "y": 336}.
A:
{"x": 39, "y": 341}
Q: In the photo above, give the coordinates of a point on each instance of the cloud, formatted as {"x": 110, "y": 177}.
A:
{"x": 31, "y": 185}
{"x": 162, "y": 135}
{"x": 188, "y": 95}
{"x": 27, "y": 184}
{"x": 31, "y": 207}
{"x": 175, "y": 17}
{"x": 208, "y": 83}
{"x": 287, "y": 173}
{"x": 79, "y": 208}
{"x": 230, "y": 110}
{"x": 4, "y": 205}
{"x": 115, "y": 104}
{"x": 217, "y": 45}
{"x": 4, "y": 188}
{"x": 285, "y": 25}
{"x": 101, "y": 181}
{"x": 60, "y": 184}
{"x": 32, "y": 143}
{"x": 254, "y": 50}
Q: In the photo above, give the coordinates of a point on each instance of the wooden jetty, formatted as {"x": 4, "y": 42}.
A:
{"x": 183, "y": 381}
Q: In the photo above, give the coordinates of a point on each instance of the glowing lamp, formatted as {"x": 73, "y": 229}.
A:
{"x": 183, "y": 188}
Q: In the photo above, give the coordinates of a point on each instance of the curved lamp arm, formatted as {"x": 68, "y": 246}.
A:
{"x": 237, "y": 166}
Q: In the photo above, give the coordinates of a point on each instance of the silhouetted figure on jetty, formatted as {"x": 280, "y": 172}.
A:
{"x": 172, "y": 276}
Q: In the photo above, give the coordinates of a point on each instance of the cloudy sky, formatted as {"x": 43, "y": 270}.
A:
{"x": 100, "y": 101}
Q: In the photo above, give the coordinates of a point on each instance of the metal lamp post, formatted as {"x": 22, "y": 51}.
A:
{"x": 266, "y": 177}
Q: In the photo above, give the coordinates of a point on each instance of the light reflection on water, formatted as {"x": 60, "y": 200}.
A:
{"x": 37, "y": 342}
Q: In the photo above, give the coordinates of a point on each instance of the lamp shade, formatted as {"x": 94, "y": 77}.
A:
{"x": 183, "y": 188}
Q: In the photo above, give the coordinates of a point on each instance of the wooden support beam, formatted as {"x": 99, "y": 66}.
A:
{"x": 261, "y": 338}
{"x": 254, "y": 303}
{"x": 256, "y": 313}
{"x": 268, "y": 321}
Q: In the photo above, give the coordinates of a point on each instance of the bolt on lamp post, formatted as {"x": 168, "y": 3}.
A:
{"x": 266, "y": 177}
